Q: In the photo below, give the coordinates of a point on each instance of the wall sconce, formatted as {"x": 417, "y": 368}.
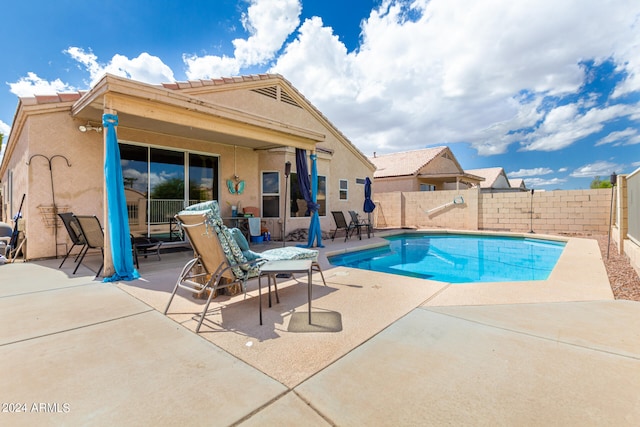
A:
{"x": 88, "y": 126}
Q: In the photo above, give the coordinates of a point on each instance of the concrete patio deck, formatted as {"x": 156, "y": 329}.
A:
{"x": 76, "y": 351}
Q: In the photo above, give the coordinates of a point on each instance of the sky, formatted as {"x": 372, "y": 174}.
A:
{"x": 549, "y": 90}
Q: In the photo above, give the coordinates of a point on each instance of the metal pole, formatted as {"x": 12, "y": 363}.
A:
{"x": 531, "y": 211}
{"x": 613, "y": 180}
{"x": 287, "y": 171}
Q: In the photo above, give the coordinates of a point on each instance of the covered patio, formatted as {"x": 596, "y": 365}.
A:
{"x": 150, "y": 113}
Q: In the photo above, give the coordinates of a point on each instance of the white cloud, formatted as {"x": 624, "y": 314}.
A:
{"x": 145, "y": 68}
{"x": 628, "y": 136}
{"x": 5, "y": 129}
{"x": 540, "y": 182}
{"x": 33, "y": 85}
{"x": 565, "y": 125}
{"x": 601, "y": 168}
{"x": 269, "y": 24}
{"x": 529, "y": 172}
{"x": 431, "y": 72}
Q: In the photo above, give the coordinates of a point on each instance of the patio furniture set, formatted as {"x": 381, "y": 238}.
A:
{"x": 86, "y": 232}
{"x": 355, "y": 225}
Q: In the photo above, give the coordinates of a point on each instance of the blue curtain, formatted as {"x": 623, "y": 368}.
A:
{"x": 117, "y": 216}
{"x": 310, "y": 194}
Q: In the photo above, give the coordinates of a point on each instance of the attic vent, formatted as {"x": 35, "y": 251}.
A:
{"x": 284, "y": 97}
{"x": 271, "y": 91}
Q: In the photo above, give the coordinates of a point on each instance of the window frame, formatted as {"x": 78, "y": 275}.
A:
{"x": 263, "y": 194}
{"x": 343, "y": 190}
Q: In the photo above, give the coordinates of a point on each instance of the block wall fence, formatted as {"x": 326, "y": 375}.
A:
{"x": 550, "y": 212}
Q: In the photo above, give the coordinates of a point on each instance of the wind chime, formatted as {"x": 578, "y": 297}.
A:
{"x": 235, "y": 184}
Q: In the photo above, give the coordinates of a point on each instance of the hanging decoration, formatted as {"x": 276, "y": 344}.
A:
{"x": 235, "y": 185}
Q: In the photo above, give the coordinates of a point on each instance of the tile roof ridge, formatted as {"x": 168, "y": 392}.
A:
{"x": 52, "y": 98}
{"x": 439, "y": 148}
{"x": 219, "y": 81}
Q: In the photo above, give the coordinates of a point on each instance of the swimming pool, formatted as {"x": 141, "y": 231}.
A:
{"x": 459, "y": 258}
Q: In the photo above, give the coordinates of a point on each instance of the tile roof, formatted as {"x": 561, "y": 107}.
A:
{"x": 490, "y": 175}
{"x": 404, "y": 163}
{"x": 191, "y": 84}
{"x": 52, "y": 99}
{"x": 517, "y": 183}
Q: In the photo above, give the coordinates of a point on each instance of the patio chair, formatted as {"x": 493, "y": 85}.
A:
{"x": 222, "y": 258}
{"x": 93, "y": 235}
{"x": 210, "y": 270}
{"x": 359, "y": 224}
{"x": 6, "y": 231}
{"x": 341, "y": 223}
{"x": 73, "y": 229}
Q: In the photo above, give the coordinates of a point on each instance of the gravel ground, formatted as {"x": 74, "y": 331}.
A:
{"x": 624, "y": 280}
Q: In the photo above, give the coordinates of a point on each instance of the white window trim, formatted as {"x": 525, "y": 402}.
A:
{"x": 340, "y": 189}
{"x": 279, "y": 193}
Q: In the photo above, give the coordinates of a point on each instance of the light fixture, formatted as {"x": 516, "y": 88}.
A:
{"x": 88, "y": 126}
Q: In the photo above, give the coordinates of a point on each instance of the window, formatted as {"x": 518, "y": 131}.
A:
{"x": 297, "y": 202}
{"x": 427, "y": 187}
{"x": 155, "y": 185}
{"x": 344, "y": 189}
{"x": 271, "y": 194}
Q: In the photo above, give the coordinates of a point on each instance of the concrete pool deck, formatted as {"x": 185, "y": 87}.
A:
{"x": 408, "y": 351}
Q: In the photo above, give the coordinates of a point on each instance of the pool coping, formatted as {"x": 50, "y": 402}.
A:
{"x": 579, "y": 274}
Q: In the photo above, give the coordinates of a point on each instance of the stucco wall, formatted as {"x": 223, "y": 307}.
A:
{"x": 570, "y": 211}
{"x": 77, "y": 187}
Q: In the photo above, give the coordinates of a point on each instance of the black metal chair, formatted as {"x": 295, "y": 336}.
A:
{"x": 341, "y": 223}
{"x": 360, "y": 224}
{"x": 77, "y": 239}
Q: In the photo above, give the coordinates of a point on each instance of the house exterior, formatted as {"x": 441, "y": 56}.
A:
{"x": 429, "y": 169}
{"x": 495, "y": 179}
{"x": 180, "y": 143}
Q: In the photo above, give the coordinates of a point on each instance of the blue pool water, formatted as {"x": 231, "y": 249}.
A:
{"x": 459, "y": 258}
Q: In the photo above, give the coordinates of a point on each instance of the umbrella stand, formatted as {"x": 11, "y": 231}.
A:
{"x": 53, "y": 194}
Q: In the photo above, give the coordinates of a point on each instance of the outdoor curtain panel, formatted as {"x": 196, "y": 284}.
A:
{"x": 310, "y": 194}
{"x": 117, "y": 217}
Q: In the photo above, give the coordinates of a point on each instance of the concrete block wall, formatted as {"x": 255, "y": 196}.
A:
{"x": 565, "y": 211}
{"x": 388, "y": 212}
{"x": 438, "y": 210}
{"x": 554, "y": 212}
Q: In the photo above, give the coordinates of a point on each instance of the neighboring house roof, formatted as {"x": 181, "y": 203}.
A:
{"x": 517, "y": 183}
{"x": 406, "y": 162}
{"x": 493, "y": 177}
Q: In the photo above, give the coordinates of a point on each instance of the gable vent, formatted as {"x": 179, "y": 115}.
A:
{"x": 273, "y": 92}
{"x": 286, "y": 98}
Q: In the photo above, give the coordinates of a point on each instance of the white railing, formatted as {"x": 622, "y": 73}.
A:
{"x": 633, "y": 207}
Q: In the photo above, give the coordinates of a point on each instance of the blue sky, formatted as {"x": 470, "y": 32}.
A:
{"x": 547, "y": 89}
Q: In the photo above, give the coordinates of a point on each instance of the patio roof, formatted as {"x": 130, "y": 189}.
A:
{"x": 162, "y": 109}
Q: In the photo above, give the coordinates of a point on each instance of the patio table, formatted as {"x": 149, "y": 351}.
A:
{"x": 272, "y": 268}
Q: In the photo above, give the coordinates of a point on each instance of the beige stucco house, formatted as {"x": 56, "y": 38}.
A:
{"x": 429, "y": 169}
{"x": 180, "y": 143}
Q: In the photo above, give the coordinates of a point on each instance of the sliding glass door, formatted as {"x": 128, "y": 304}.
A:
{"x": 155, "y": 186}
